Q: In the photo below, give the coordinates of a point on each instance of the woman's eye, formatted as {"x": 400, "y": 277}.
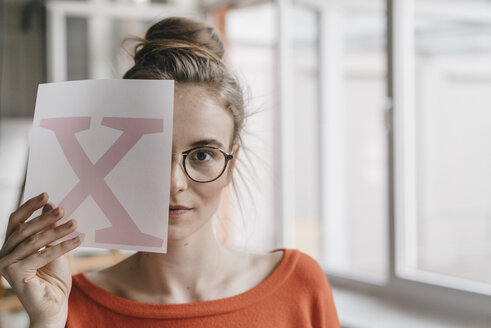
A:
{"x": 201, "y": 155}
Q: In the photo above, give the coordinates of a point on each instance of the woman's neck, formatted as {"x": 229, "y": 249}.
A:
{"x": 190, "y": 269}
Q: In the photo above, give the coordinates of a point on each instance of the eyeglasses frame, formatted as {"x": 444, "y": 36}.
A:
{"x": 184, "y": 154}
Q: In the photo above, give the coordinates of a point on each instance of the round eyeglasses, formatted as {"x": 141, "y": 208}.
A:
{"x": 204, "y": 164}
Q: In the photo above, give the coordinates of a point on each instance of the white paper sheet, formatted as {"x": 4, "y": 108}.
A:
{"x": 102, "y": 150}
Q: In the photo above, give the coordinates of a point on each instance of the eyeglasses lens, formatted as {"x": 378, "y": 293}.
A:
{"x": 205, "y": 164}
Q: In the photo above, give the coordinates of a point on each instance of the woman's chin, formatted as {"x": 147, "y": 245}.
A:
{"x": 183, "y": 231}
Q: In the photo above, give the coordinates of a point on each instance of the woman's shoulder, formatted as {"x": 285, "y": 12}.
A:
{"x": 307, "y": 265}
{"x": 299, "y": 268}
{"x": 277, "y": 264}
{"x": 296, "y": 260}
{"x": 265, "y": 262}
{"x": 306, "y": 262}
{"x": 288, "y": 267}
{"x": 249, "y": 269}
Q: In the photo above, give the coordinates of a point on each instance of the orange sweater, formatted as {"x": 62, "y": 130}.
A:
{"x": 296, "y": 294}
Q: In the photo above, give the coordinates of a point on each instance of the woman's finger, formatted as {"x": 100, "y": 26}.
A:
{"x": 29, "y": 229}
{"x": 37, "y": 241}
{"x": 25, "y": 211}
{"x": 48, "y": 207}
{"x": 49, "y": 254}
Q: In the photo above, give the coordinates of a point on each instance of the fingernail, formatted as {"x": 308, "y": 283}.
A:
{"x": 41, "y": 196}
{"x": 56, "y": 211}
{"x": 79, "y": 238}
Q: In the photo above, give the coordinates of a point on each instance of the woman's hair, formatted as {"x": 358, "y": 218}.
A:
{"x": 189, "y": 51}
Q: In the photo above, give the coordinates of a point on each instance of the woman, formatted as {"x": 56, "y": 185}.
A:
{"x": 199, "y": 282}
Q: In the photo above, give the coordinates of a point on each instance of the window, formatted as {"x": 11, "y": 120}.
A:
{"x": 450, "y": 231}
{"x": 251, "y": 53}
{"x": 306, "y": 148}
{"x": 374, "y": 134}
{"x": 403, "y": 105}
{"x": 355, "y": 197}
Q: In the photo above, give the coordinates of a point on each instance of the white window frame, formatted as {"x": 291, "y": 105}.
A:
{"x": 59, "y": 11}
{"x": 284, "y": 129}
{"x": 437, "y": 291}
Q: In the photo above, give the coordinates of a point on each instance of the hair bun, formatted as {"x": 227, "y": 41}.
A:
{"x": 181, "y": 35}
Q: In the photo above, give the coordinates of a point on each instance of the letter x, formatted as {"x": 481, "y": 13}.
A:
{"x": 123, "y": 230}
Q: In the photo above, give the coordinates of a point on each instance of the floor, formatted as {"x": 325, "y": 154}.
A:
{"x": 359, "y": 310}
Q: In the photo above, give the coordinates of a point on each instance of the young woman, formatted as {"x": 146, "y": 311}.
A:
{"x": 199, "y": 282}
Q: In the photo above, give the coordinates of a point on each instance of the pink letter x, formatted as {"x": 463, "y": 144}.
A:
{"x": 123, "y": 230}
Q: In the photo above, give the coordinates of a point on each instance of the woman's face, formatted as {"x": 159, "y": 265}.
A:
{"x": 198, "y": 118}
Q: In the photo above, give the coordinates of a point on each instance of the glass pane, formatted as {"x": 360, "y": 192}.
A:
{"x": 356, "y": 195}
{"x": 14, "y": 133}
{"x": 95, "y": 48}
{"x": 305, "y": 57}
{"x": 250, "y": 222}
{"x": 453, "y": 139}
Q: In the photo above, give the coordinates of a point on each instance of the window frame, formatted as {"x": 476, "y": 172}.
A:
{"x": 436, "y": 291}
{"x": 56, "y": 25}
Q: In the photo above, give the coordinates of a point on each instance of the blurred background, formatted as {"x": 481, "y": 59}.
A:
{"x": 370, "y": 142}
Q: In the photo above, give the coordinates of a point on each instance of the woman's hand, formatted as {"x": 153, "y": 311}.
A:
{"x": 41, "y": 278}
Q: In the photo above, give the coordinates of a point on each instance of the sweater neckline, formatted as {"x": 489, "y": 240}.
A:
{"x": 186, "y": 310}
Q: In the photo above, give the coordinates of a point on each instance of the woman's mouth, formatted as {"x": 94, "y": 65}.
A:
{"x": 176, "y": 211}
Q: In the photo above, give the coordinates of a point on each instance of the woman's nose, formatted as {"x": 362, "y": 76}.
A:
{"x": 178, "y": 178}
